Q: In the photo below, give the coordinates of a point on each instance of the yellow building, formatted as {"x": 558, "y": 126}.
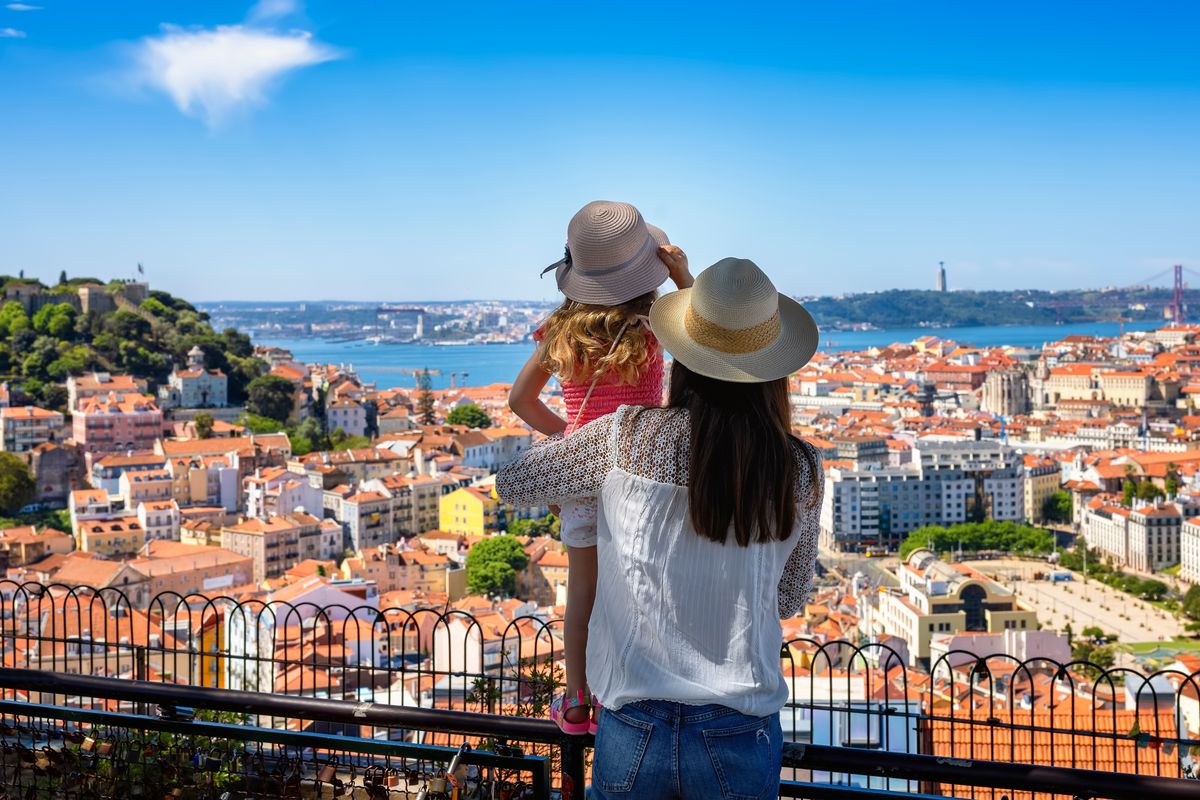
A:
{"x": 110, "y": 537}
{"x": 470, "y": 511}
{"x": 1042, "y": 478}
{"x": 939, "y": 598}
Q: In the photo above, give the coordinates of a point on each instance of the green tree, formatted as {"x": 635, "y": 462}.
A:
{"x": 1191, "y": 602}
{"x": 62, "y": 278}
{"x": 13, "y": 319}
{"x": 54, "y": 397}
{"x": 1057, "y": 507}
{"x": 311, "y": 432}
{"x": 470, "y": 415}
{"x": 17, "y": 486}
{"x": 425, "y": 403}
{"x": 1151, "y": 589}
{"x": 204, "y": 425}
{"x": 1171, "y": 484}
{"x": 1128, "y": 492}
{"x": 271, "y": 396}
{"x": 259, "y": 424}
{"x": 546, "y": 526}
{"x": 493, "y": 564}
{"x": 57, "y": 320}
{"x": 1101, "y": 655}
{"x": 1148, "y": 491}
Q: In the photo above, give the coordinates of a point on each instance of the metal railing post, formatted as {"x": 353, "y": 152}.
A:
{"x": 141, "y": 669}
{"x": 571, "y": 767}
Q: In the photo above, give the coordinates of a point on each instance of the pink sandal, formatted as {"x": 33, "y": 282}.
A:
{"x": 594, "y": 717}
{"x": 560, "y": 707}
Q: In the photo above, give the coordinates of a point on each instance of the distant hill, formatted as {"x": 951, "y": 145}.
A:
{"x": 50, "y": 332}
{"x": 905, "y": 308}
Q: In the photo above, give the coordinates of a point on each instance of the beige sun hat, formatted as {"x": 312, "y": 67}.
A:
{"x": 734, "y": 326}
{"x": 612, "y": 255}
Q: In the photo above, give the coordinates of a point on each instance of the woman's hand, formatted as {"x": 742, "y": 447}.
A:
{"x": 677, "y": 265}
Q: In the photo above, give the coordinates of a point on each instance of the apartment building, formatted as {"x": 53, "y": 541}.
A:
{"x": 115, "y": 423}
{"x": 939, "y": 598}
{"x": 160, "y": 519}
{"x": 277, "y": 543}
{"x": 106, "y": 471}
{"x": 946, "y": 483}
{"x": 111, "y": 536}
{"x": 471, "y": 511}
{"x": 367, "y": 517}
{"x": 1041, "y": 478}
{"x": 278, "y": 490}
{"x": 186, "y": 569}
{"x": 144, "y": 486}
{"x": 101, "y": 383}
{"x": 210, "y": 480}
{"x": 1147, "y": 537}
{"x": 26, "y": 545}
{"x": 26, "y": 427}
{"x": 1189, "y": 550}
{"x": 349, "y": 415}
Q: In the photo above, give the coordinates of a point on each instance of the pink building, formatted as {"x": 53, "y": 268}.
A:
{"x": 116, "y": 423}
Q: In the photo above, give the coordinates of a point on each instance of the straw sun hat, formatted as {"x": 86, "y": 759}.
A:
{"x": 734, "y": 326}
{"x": 612, "y": 255}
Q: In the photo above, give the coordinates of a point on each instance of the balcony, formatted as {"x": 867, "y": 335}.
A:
{"x": 289, "y": 710}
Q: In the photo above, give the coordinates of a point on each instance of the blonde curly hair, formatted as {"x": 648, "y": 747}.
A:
{"x": 577, "y": 338}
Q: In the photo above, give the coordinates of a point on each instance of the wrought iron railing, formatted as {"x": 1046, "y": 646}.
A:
{"x": 862, "y": 700}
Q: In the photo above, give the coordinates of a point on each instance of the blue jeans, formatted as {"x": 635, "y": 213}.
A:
{"x": 656, "y": 749}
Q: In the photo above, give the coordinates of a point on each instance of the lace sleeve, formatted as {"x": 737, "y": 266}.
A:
{"x": 559, "y": 468}
{"x": 796, "y": 582}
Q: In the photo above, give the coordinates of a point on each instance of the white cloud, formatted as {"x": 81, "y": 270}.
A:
{"x": 11, "y": 33}
{"x": 265, "y": 10}
{"x": 210, "y": 73}
{"x": 22, "y": 7}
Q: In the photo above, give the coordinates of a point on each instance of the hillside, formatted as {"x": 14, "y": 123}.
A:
{"x": 82, "y": 324}
{"x": 900, "y": 308}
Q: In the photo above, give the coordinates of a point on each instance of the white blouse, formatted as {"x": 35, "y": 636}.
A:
{"x": 677, "y": 616}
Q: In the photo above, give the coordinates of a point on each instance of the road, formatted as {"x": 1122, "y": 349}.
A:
{"x": 1083, "y": 605}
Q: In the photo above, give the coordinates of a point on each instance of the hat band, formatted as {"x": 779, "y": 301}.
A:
{"x": 729, "y": 340}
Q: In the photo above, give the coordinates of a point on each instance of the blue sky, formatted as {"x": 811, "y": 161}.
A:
{"x": 342, "y": 149}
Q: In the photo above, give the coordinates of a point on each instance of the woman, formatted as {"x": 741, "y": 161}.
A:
{"x": 707, "y": 534}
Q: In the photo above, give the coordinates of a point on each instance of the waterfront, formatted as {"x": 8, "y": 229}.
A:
{"x": 499, "y": 363}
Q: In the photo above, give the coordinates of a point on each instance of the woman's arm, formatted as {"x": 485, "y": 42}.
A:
{"x": 796, "y": 583}
{"x": 560, "y": 468}
{"x": 525, "y": 398}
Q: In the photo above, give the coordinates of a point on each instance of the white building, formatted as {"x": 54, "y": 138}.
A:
{"x": 946, "y": 483}
{"x": 160, "y": 519}
{"x": 349, "y": 415}
{"x": 1189, "y": 551}
{"x": 195, "y": 386}
{"x": 26, "y": 427}
{"x": 1146, "y": 538}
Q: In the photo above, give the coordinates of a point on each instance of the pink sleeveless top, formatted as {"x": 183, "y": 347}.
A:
{"x": 610, "y": 394}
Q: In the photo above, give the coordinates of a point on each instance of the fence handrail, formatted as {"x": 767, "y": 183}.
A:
{"x": 902, "y": 766}
{"x": 312, "y": 708}
{"x": 1082, "y": 783}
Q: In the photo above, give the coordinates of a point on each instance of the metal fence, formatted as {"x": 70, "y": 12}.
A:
{"x": 859, "y": 698}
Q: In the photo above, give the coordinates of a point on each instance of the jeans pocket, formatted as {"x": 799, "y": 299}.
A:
{"x": 745, "y": 759}
{"x": 620, "y": 745}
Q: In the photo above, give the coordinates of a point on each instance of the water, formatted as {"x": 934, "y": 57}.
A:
{"x": 499, "y": 363}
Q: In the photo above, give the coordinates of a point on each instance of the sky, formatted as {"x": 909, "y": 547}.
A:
{"x": 435, "y": 151}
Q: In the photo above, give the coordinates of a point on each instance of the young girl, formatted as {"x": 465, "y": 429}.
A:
{"x": 599, "y": 345}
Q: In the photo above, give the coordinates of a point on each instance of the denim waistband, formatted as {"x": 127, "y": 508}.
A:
{"x": 670, "y": 710}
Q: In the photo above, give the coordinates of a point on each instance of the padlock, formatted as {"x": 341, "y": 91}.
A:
{"x": 105, "y": 747}
{"x": 327, "y": 772}
{"x": 88, "y": 745}
{"x": 438, "y": 783}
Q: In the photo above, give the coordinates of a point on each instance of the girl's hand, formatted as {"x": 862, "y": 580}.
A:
{"x": 677, "y": 265}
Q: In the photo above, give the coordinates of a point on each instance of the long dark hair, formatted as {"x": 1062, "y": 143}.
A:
{"x": 742, "y": 466}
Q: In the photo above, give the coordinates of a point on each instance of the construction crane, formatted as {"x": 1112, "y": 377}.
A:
{"x": 416, "y": 373}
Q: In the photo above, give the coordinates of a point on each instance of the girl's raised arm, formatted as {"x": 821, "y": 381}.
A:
{"x": 525, "y": 398}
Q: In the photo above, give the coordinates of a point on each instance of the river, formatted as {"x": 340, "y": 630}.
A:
{"x": 383, "y": 364}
